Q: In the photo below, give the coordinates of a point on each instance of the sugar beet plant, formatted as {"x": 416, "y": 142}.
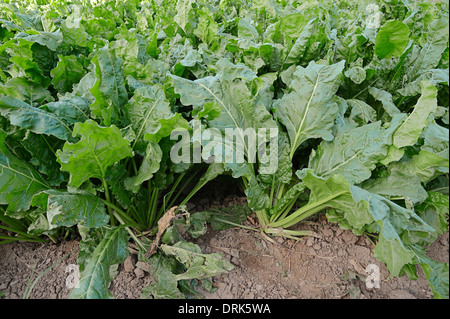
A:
{"x": 356, "y": 91}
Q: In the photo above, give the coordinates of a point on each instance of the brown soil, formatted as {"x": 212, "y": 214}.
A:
{"x": 329, "y": 265}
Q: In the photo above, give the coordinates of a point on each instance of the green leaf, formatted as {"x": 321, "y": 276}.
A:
{"x": 355, "y": 152}
{"x": 25, "y": 90}
{"x": 386, "y": 100}
{"x": 69, "y": 209}
{"x": 257, "y": 195}
{"x": 431, "y": 51}
{"x": 149, "y": 166}
{"x": 308, "y": 110}
{"x": 357, "y": 74}
{"x": 361, "y": 112}
{"x": 42, "y": 149}
{"x": 283, "y": 173}
{"x": 51, "y": 40}
{"x": 72, "y": 109}
{"x": 98, "y": 148}
{"x": 115, "y": 178}
{"x": 397, "y": 182}
{"x": 437, "y": 273}
{"x": 391, "y": 39}
{"x": 239, "y": 111}
{"x": 301, "y": 44}
{"x": 144, "y": 111}
{"x": 109, "y": 88}
{"x": 434, "y": 211}
{"x": 23, "y": 61}
{"x": 95, "y": 278}
{"x": 69, "y": 71}
{"x": 436, "y": 140}
{"x": 426, "y": 165}
{"x": 183, "y": 8}
{"x": 166, "y": 285}
{"x": 409, "y": 132}
{"x": 207, "y": 28}
{"x": 398, "y": 227}
{"x": 19, "y": 181}
{"x": 293, "y": 24}
{"x": 36, "y": 120}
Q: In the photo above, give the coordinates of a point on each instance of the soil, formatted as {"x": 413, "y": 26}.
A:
{"x": 331, "y": 264}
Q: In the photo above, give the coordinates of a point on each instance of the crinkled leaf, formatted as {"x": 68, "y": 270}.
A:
{"x": 99, "y": 147}
{"x": 198, "y": 265}
{"x": 355, "y": 152}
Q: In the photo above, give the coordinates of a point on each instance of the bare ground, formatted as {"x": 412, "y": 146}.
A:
{"x": 329, "y": 265}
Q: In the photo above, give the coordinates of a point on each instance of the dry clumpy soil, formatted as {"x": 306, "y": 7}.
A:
{"x": 329, "y": 265}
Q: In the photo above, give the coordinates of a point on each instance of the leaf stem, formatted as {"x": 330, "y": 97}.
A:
{"x": 305, "y": 211}
{"x": 132, "y": 234}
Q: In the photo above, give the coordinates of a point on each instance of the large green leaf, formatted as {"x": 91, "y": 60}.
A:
{"x": 95, "y": 278}
{"x": 144, "y": 111}
{"x": 109, "y": 88}
{"x": 391, "y": 39}
{"x": 397, "y": 182}
{"x": 72, "y": 109}
{"x": 35, "y": 119}
{"x": 239, "y": 112}
{"x": 19, "y": 181}
{"x": 354, "y": 153}
{"x": 98, "y": 148}
{"x": 409, "y": 132}
{"x": 434, "y": 211}
{"x": 308, "y": 110}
